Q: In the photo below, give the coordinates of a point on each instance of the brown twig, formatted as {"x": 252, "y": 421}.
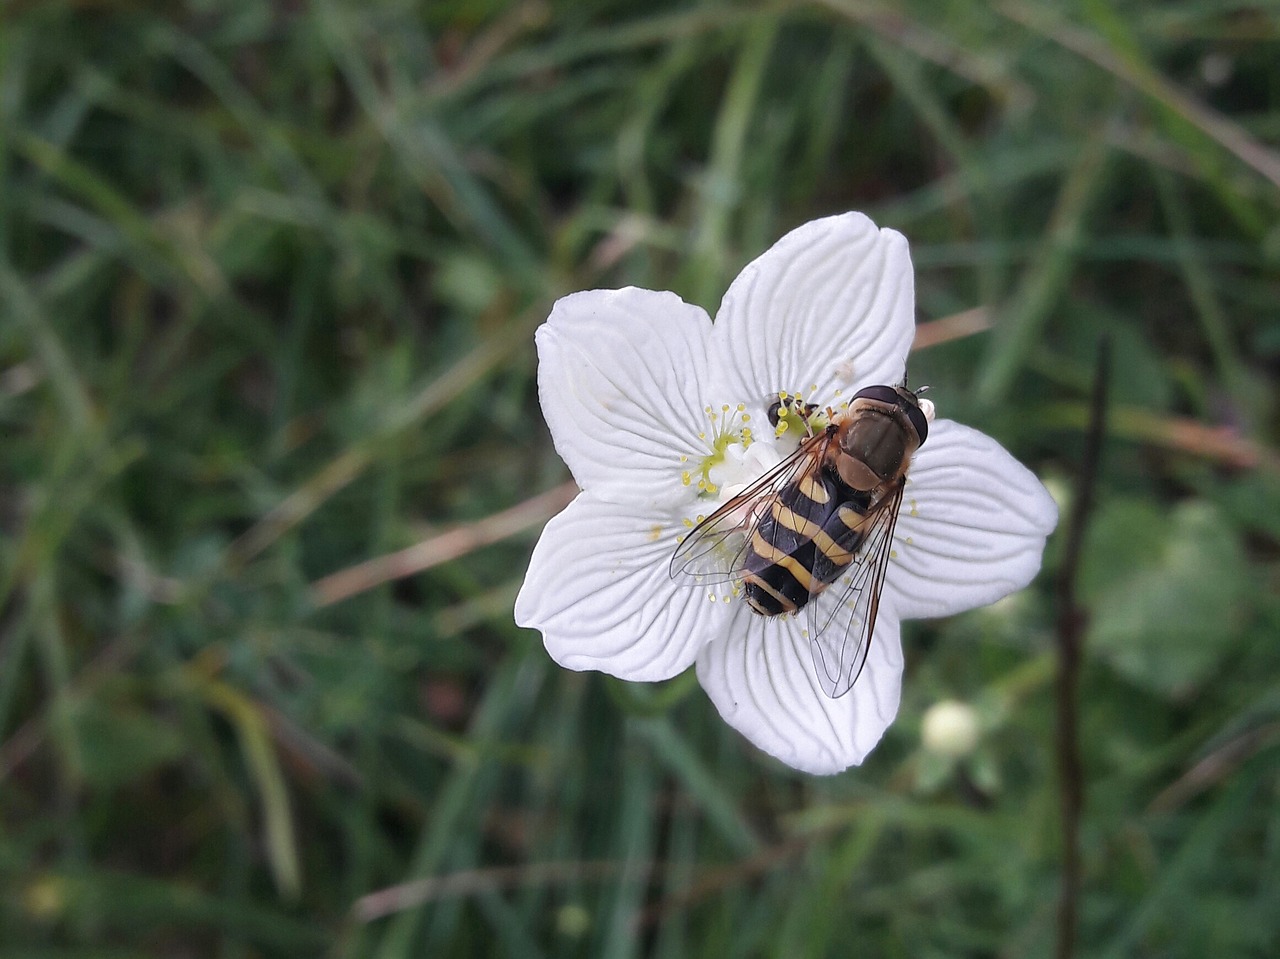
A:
{"x": 1223, "y": 444}
{"x": 954, "y": 327}
{"x": 1070, "y": 636}
{"x": 441, "y": 549}
{"x": 1215, "y": 767}
{"x": 468, "y": 882}
{"x": 1218, "y": 443}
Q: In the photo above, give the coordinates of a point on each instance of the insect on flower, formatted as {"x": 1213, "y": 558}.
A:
{"x": 822, "y": 519}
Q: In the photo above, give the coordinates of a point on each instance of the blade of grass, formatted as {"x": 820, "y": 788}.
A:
{"x": 124, "y": 903}
{"x": 253, "y": 728}
{"x": 438, "y": 392}
{"x": 634, "y": 840}
{"x": 1213, "y": 320}
{"x": 670, "y": 748}
{"x": 462, "y": 797}
{"x": 1174, "y": 885}
{"x": 1142, "y": 77}
{"x": 46, "y": 345}
{"x": 895, "y": 25}
{"x": 1025, "y": 313}
{"x": 721, "y": 191}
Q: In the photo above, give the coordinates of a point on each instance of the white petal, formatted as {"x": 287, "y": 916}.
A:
{"x": 972, "y": 527}
{"x": 599, "y": 589}
{"x": 621, "y": 374}
{"x": 831, "y": 304}
{"x": 762, "y": 678}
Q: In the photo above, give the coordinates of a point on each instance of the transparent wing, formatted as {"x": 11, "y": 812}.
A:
{"x": 716, "y": 548}
{"x": 842, "y": 619}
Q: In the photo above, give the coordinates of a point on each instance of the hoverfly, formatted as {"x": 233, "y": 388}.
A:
{"x": 824, "y": 514}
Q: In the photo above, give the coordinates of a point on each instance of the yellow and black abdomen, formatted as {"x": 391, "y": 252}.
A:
{"x": 809, "y": 537}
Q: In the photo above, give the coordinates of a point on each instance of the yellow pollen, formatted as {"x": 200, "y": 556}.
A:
{"x": 688, "y": 523}
{"x": 684, "y": 459}
{"x": 685, "y": 478}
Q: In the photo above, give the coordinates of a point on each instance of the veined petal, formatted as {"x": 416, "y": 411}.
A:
{"x": 972, "y": 527}
{"x": 599, "y": 589}
{"x": 620, "y": 377}
{"x": 762, "y": 679}
{"x": 831, "y": 305}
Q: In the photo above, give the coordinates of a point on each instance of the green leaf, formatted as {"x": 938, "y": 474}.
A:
{"x": 1166, "y": 592}
{"x": 121, "y": 742}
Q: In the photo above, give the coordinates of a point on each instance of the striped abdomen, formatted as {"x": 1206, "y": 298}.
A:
{"x": 809, "y": 538}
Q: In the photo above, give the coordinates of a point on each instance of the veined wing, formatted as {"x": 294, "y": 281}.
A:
{"x": 716, "y": 548}
{"x": 843, "y": 619}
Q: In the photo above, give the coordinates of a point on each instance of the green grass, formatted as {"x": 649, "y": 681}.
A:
{"x": 268, "y": 280}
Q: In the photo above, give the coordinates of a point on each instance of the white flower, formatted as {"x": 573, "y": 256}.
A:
{"x": 661, "y": 416}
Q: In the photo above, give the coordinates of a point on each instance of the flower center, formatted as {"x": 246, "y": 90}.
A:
{"x": 728, "y": 429}
{"x": 735, "y": 457}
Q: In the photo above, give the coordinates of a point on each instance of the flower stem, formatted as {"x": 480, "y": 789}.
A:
{"x": 1070, "y": 636}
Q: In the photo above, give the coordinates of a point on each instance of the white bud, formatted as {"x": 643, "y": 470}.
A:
{"x": 950, "y": 729}
{"x": 1216, "y": 69}
{"x": 573, "y": 921}
{"x": 1060, "y": 490}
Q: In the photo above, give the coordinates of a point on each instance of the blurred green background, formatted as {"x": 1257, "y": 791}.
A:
{"x": 269, "y": 274}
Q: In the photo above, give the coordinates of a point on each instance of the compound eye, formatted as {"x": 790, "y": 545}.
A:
{"x": 882, "y": 394}
{"x": 918, "y": 420}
